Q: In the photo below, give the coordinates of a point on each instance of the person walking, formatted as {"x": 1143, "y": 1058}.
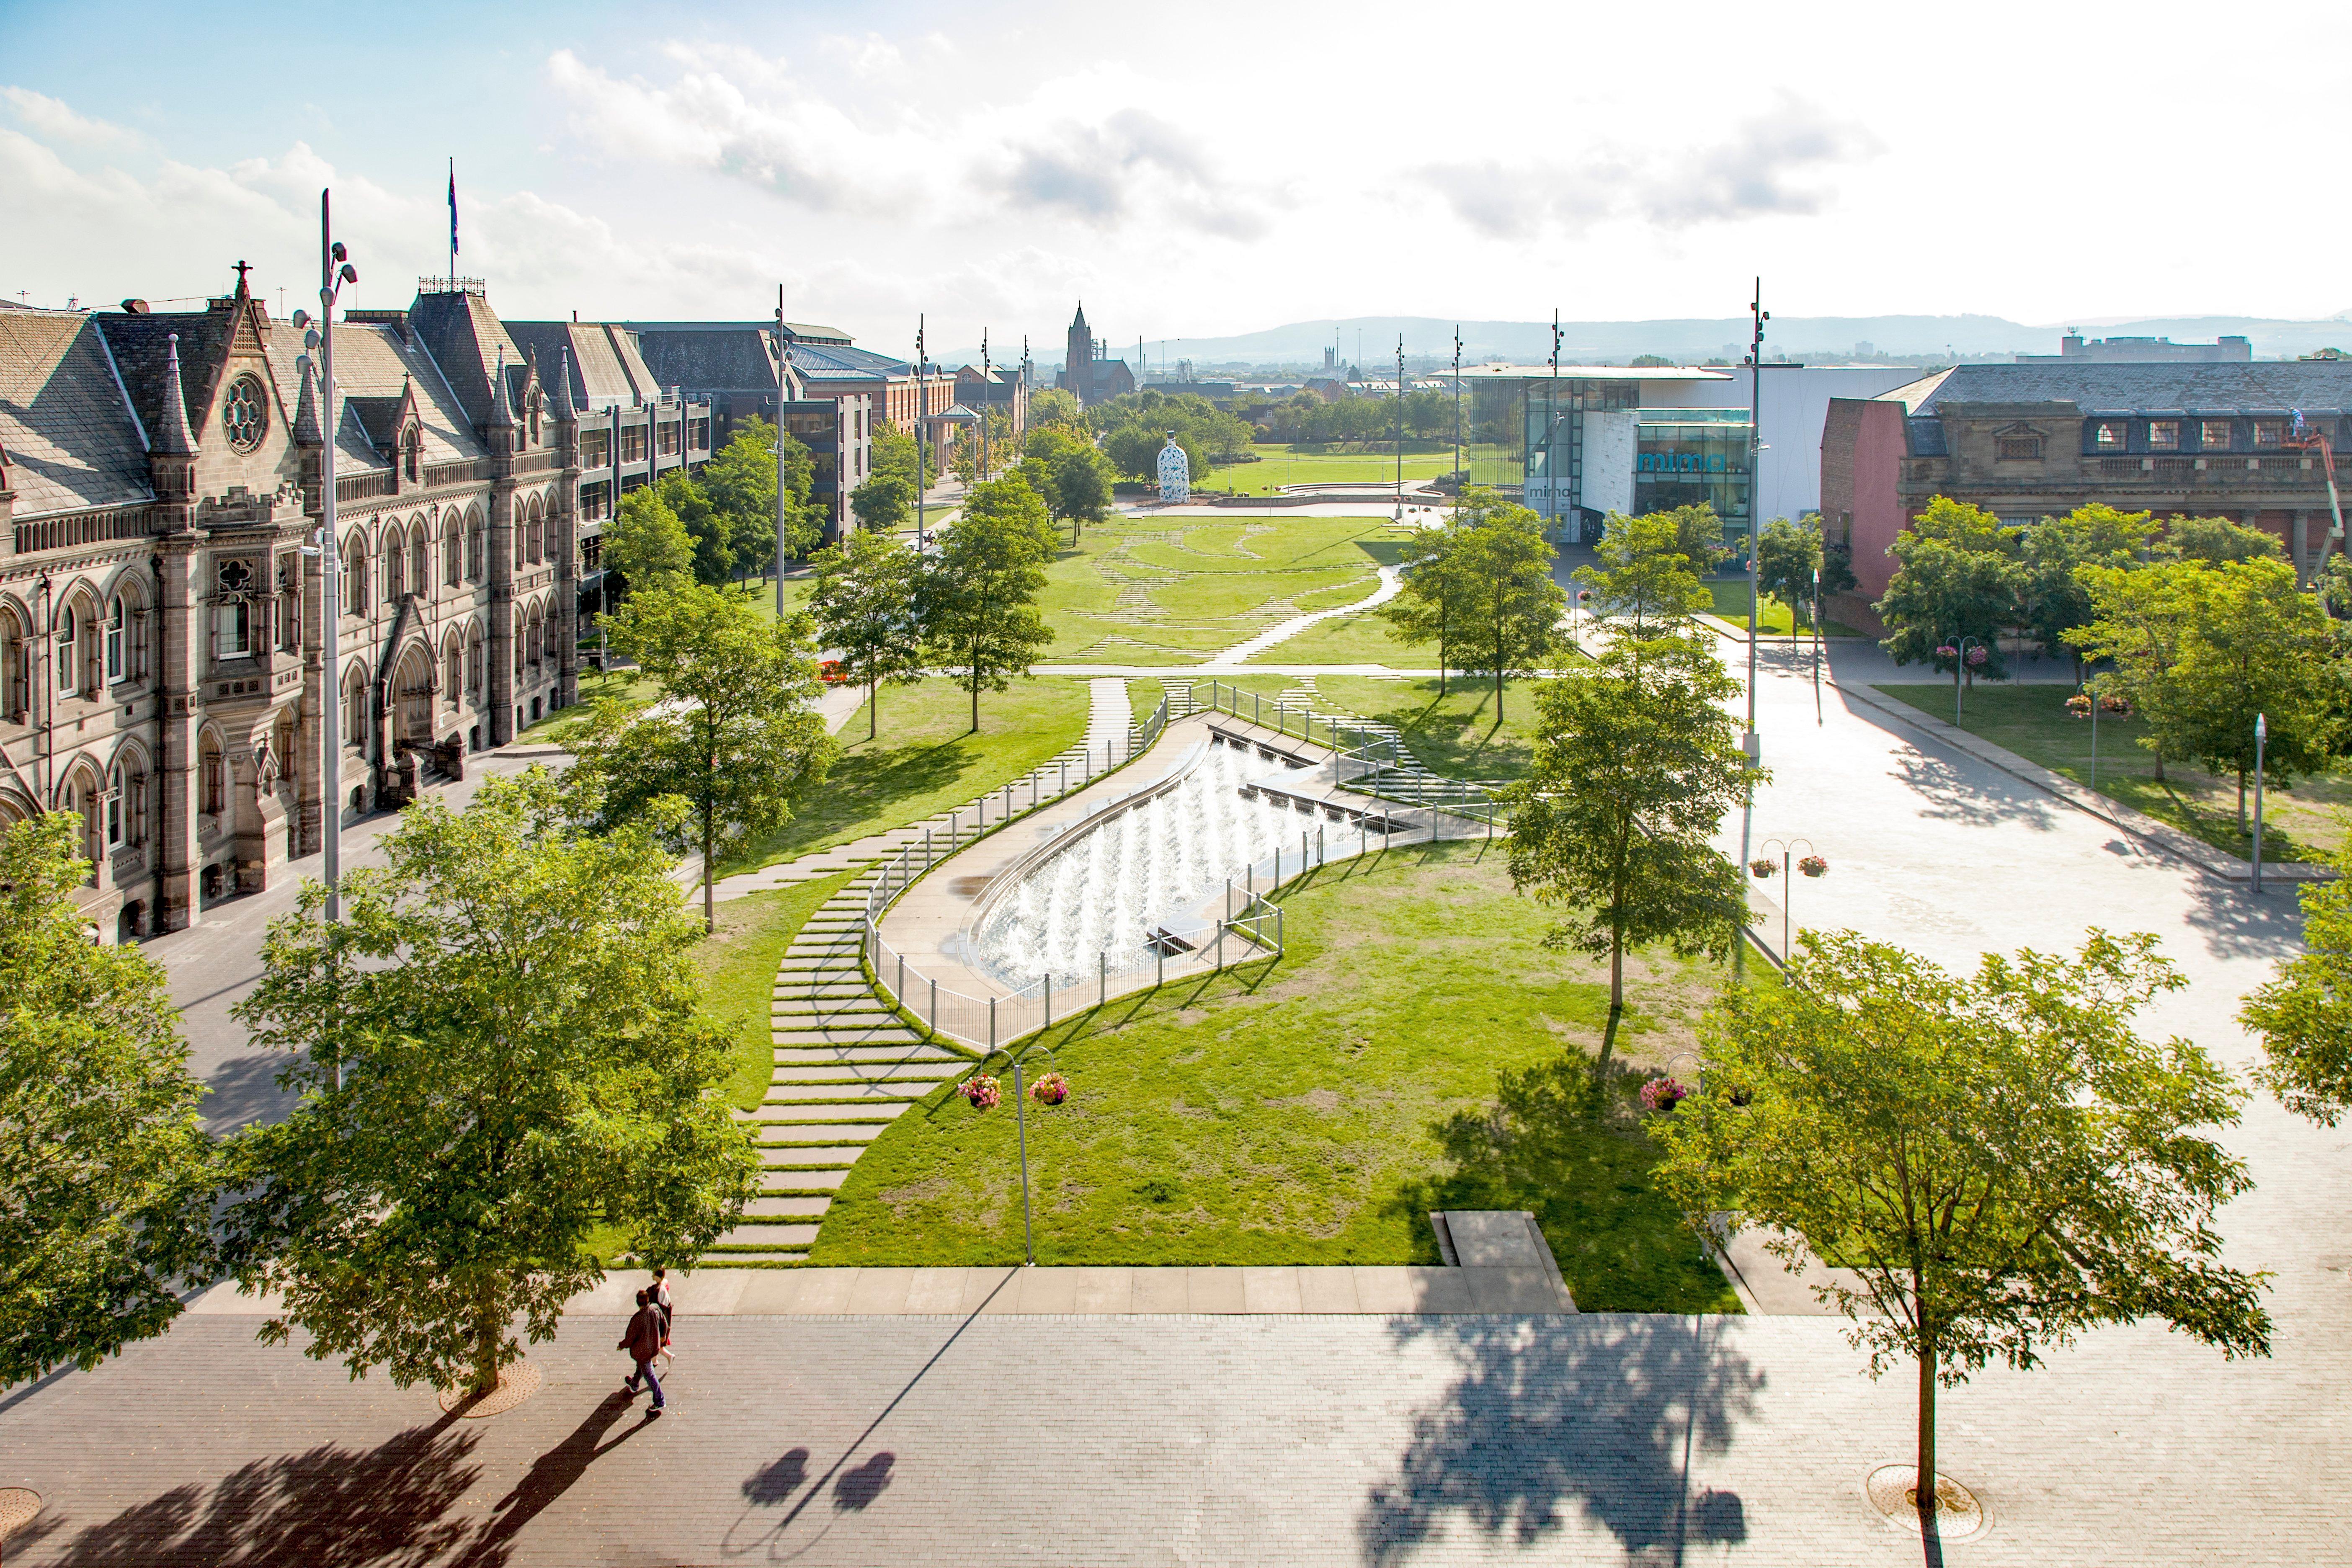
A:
{"x": 642, "y": 1338}
{"x": 661, "y": 1300}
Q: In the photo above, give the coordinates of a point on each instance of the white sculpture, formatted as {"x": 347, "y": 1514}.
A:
{"x": 1175, "y": 471}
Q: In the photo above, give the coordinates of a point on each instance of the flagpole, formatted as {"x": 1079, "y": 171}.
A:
{"x": 453, "y": 223}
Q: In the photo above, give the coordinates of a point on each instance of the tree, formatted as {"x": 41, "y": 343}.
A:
{"x": 647, "y": 542}
{"x": 980, "y": 597}
{"x": 1636, "y": 763}
{"x": 2139, "y": 619}
{"x": 2303, "y": 1015}
{"x": 866, "y": 606}
{"x": 712, "y": 534}
{"x": 1643, "y": 579}
{"x": 1051, "y": 406}
{"x": 1788, "y": 554}
{"x": 740, "y": 481}
{"x": 1082, "y": 488}
{"x": 882, "y": 503}
{"x": 2218, "y": 541}
{"x": 2255, "y": 645}
{"x": 2049, "y": 583}
{"x": 106, "y": 1180}
{"x": 2001, "y": 1160}
{"x": 733, "y": 735}
{"x": 499, "y": 1051}
{"x": 1699, "y": 534}
{"x": 1432, "y": 604}
{"x": 1956, "y": 577}
{"x": 1511, "y": 607}
{"x": 895, "y": 453}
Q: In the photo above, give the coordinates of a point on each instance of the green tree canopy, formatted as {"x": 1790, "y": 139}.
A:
{"x": 883, "y": 503}
{"x": 2255, "y": 645}
{"x": 733, "y": 735}
{"x": 1644, "y": 580}
{"x": 646, "y": 540}
{"x": 1050, "y": 406}
{"x": 2139, "y": 617}
{"x": 1788, "y": 554}
{"x": 2303, "y": 1013}
{"x": 1082, "y": 488}
{"x": 1511, "y": 608}
{"x": 499, "y": 1051}
{"x": 979, "y": 597}
{"x": 1956, "y": 576}
{"x": 2000, "y": 1161}
{"x": 1431, "y": 602}
{"x": 740, "y": 481}
{"x": 2218, "y": 541}
{"x": 896, "y": 455}
{"x": 868, "y": 605}
{"x": 1636, "y": 761}
{"x": 106, "y": 1181}
{"x": 2050, "y": 587}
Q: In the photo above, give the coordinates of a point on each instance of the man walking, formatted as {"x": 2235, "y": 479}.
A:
{"x": 642, "y": 1338}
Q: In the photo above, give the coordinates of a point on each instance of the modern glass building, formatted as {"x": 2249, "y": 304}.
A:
{"x": 1589, "y": 440}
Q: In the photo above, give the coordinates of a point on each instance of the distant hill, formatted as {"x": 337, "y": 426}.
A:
{"x": 1817, "y": 338}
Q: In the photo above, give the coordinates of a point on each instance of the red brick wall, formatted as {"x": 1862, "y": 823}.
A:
{"x": 1861, "y": 457}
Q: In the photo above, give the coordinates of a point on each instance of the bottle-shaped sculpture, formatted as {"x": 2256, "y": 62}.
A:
{"x": 1175, "y": 471}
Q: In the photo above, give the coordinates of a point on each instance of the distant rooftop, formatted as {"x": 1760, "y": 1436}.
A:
{"x": 2263, "y": 386}
{"x": 1596, "y": 373}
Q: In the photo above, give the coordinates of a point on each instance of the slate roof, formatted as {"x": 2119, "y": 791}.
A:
{"x": 799, "y": 332}
{"x": 816, "y": 362}
{"x": 2268, "y": 386}
{"x": 70, "y": 440}
{"x": 608, "y": 369}
{"x": 465, "y": 337}
{"x": 715, "y": 359}
{"x": 372, "y": 364}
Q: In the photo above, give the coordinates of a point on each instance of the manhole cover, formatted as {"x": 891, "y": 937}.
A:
{"x": 1893, "y": 1491}
{"x": 17, "y": 1507}
{"x": 518, "y": 1381}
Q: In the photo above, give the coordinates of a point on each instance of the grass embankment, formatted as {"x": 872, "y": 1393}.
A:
{"x": 1172, "y": 590}
{"x": 1775, "y": 619}
{"x": 926, "y": 759}
{"x": 1308, "y": 463}
{"x": 1418, "y": 1048}
{"x": 1455, "y": 734}
{"x": 738, "y": 972}
{"x": 2298, "y": 824}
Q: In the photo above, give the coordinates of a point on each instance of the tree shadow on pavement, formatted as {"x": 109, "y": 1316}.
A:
{"x": 1602, "y": 1412}
{"x": 328, "y": 1508}
{"x": 1948, "y": 791}
{"x": 552, "y": 1474}
{"x": 243, "y": 1090}
{"x": 2237, "y": 923}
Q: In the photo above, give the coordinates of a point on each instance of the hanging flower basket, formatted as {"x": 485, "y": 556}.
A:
{"x": 1051, "y": 1090}
{"x": 1977, "y": 655}
{"x": 1945, "y": 650}
{"x": 984, "y": 1092}
{"x": 1663, "y": 1094}
{"x": 2079, "y": 706}
{"x": 1762, "y": 868}
{"x": 1813, "y": 866}
{"x": 2119, "y": 706}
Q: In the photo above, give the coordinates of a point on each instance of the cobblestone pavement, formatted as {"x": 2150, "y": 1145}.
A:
{"x": 1368, "y": 1440}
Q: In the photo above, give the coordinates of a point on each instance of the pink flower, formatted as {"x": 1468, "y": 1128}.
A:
{"x": 1813, "y": 866}
{"x": 983, "y": 1091}
{"x": 1661, "y": 1094}
{"x": 1051, "y": 1090}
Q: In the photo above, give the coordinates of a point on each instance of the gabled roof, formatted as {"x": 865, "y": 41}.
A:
{"x": 716, "y": 358}
{"x": 374, "y": 365}
{"x": 608, "y": 370}
{"x": 466, "y": 339}
{"x": 70, "y": 437}
{"x": 2262, "y": 386}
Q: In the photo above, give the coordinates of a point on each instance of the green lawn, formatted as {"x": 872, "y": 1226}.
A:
{"x": 1350, "y": 639}
{"x": 1776, "y": 619}
{"x": 1418, "y": 1048}
{"x": 925, "y": 759}
{"x": 1174, "y": 590}
{"x": 1279, "y": 464}
{"x": 739, "y": 972}
{"x": 2300, "y": 824}
{"x": 1455, "y": 734}
{"x": 626, "y": 685}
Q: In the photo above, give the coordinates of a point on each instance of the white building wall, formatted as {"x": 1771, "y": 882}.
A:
{"x": 1609, "y": 461}
{"x": 1795, "y": 408}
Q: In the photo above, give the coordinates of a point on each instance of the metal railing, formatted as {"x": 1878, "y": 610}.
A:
{"x": 1365, "y": 760}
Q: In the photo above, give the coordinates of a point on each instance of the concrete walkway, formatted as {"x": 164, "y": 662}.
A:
{"x": 1391, "y": 585}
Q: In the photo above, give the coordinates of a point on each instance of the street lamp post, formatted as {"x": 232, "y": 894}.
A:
{"x": 1757, "y": 316}
{"x": 1812, "y": 865}
{"x": 334, "y": 270}
{"x": 1459, "y": 477}
{"x": 922, "y": 417}
{"x": 2262, "y": 735}
{"x": 1400, "y": 429}
{"x": 1018, "y": 1056}
{"x": 1817, "y": 648}
{"x": 1958, "y": 651}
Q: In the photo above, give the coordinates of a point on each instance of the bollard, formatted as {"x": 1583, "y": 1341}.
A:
{"x": 1278, "y": 948}
{"x": 935, "y": 1004}
{"x": 900, "y": 995}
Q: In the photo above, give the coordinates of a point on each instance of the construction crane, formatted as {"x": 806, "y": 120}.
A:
{"x": 2303, "y": 439}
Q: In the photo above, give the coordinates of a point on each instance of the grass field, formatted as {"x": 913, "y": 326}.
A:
{"x": 1455, "y": 734}
{"x": 925, "y": 759}
{"x": 2300, "y": 824}
{"x": 1315, "y": 1109}
{"x": 1279, "y": 464}
{"x": 739, "y": 970}
{"x": 1350, "y": 639}
{"x": 1776, "y": 619}
{"x": 1176, "y": 590}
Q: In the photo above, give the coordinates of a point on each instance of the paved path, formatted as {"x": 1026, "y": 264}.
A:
{"x": 1391, "y": 585}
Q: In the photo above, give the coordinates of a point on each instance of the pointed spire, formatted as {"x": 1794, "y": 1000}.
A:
{"x": 305, "y": 408}
{"x": 501, "y": 406}
{"x": 564, "y": 408}
{"x": 173, "y": 437}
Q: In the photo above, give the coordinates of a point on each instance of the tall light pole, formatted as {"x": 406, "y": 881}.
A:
{"x": 987, "y": 400}
{"x": 334, "y": 270}
{"x": 2262, "y": 734}
{"x": 783, "y": 397}
{"x": 922, "y": 417}
{"x": 1758, "y": 315}
{"x": 1461, "y": 479}
{"x": 1399, "y": 427}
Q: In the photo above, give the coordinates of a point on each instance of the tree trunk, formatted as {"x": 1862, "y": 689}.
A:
{"x": 2241, "y": 801}
{"x": 975, "y": 692}
{"x": 710, "y": 918}
{"x": 1498, "y": 680}
{"x": 1923, "y": 1472}
{"x": 2159, "y": 765}
{"x": 487, "y": 1331}
{"x": 873, "y": 697}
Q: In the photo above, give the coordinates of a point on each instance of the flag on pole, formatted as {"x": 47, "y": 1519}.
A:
{"x": 453, "y": 209}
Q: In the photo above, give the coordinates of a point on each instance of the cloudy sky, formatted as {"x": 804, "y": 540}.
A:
{"x": 1205, "y": 169}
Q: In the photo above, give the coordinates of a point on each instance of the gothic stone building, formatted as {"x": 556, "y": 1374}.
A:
{"x": 161, "y": 608}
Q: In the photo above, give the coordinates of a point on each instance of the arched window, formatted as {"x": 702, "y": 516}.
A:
{"x": 392, "y": 553}
{"x": 118, "y": 618}
{"x": 117, "y": 789}
{"x": 538, "y": 639}
{"x": 522, "y": 642}
{"x": 538, "y": 535}
{"x": 213, "y": 776}
{"x": 474, "y": 537}
{"x": 15, "y": 670}
{"x": 355, "y": 707}
{"x": 420, "y": 571}
{"x": 452, "y": 671}
{"x": 451, "y": 561}
{"x": 412, "y": 453}
{"x": 68, "y": 670}
{"x": 131, "y": 792}
{"x": 356, "y": 585}
{"x": 521, "y": 540}
{"x": 474, "y": 663}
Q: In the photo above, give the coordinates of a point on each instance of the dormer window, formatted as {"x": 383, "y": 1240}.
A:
{"x": 2025, "y": 446}
{"x": 2214, "y": 435}
{"x": 2270, "y": 432}
{"x": 411, "y": 454}
{"x": 2163, "y": 434}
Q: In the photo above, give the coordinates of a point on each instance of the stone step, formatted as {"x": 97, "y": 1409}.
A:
{"x": 786, "y": 1208}
{"x": 874, "y": 1072}
{"x": 778, "y": 1182}
{"x": 769, "y": 1236}
{"x": 860, "y": 1019}
{"x": 797, "y": 990}
{"x": 817, "y": 1157}
{"x": 840, "y": 1057}
{"x": 863, "y": 1034}
{"x": 846, "y": 1096}
{"x": 817, "y": 1144}
{"x": 828, "y": 1120}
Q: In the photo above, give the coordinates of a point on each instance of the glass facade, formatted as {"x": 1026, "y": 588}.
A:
{"x": 1525, "y": 437}
{"x": 1684, "y": 456}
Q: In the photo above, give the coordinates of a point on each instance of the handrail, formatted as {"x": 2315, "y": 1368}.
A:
{"x": 1364, "y": 761}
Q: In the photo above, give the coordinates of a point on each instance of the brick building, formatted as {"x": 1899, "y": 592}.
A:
{"x": 161, "y": 624}
{"x": 2030, "y": 441}
{"x": 1087, "y": 370}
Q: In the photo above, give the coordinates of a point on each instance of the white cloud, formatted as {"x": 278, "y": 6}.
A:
{"x": 54, "y": 121}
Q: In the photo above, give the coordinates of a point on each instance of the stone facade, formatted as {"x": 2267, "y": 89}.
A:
{"x": 162, "y": 599}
